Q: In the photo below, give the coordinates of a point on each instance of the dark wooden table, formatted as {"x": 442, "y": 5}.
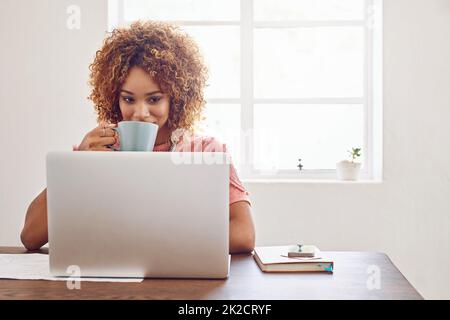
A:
{"x": 246, "y": 281}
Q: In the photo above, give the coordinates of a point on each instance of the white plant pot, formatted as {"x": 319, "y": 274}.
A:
{"x": 347, "y": 170}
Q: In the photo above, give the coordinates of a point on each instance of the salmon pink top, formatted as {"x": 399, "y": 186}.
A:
{"x": 209, "y": 144}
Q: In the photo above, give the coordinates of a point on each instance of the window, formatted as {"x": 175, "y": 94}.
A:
{"x": 289, "y": 79}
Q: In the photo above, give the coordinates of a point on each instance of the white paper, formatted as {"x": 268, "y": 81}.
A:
{"x": 35, "y": 266}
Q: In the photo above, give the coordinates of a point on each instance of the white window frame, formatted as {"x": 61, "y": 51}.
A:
{"x": 372, "y": 93}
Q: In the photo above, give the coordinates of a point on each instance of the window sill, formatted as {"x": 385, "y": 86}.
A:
{"x": 308, "y": 181}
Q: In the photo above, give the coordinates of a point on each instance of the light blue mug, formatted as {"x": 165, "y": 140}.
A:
{"x": 136, "y": 135}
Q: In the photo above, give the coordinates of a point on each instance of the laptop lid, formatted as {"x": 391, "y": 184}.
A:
{"x": 139, "y": 214}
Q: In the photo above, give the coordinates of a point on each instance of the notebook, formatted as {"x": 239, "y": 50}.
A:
{"x": 275, "y": 259}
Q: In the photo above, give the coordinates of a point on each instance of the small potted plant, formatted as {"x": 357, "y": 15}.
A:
{"x": 349, "y": 169}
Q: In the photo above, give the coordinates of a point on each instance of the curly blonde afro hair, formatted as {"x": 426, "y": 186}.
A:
{"x": 169, "y": 55}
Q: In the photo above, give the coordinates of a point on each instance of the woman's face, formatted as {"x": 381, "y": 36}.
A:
{"x": 141, "y": 99}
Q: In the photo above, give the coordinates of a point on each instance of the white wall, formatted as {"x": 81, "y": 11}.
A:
{"x": 43, "y": 88}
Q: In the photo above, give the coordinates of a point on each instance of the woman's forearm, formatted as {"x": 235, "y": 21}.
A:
{"x": 242, "y": 230}
{"x": 242, "y": 237}
{"x": 34, "y": 233}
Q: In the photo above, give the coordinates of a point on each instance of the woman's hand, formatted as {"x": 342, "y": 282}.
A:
{"x": 102, "y": 138}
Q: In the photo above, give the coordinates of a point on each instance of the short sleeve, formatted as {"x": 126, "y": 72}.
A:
{"x": 237, "y": 191}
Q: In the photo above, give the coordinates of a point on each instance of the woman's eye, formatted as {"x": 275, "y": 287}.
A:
{"x": 127, "y": 99}
{"x": 154, "y": 99}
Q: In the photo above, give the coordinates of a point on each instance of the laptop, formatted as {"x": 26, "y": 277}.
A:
{"x": 138, "y": 214}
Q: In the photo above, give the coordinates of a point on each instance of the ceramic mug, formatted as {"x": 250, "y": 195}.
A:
{"x": 136, "y": 135}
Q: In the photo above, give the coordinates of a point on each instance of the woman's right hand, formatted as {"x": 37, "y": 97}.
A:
{"x": 101, "y": 138}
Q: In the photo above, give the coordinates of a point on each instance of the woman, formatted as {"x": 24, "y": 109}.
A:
{"x": 150, "y": 72}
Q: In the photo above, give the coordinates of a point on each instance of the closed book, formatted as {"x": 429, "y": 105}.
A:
{"x": 275, "y": 259}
